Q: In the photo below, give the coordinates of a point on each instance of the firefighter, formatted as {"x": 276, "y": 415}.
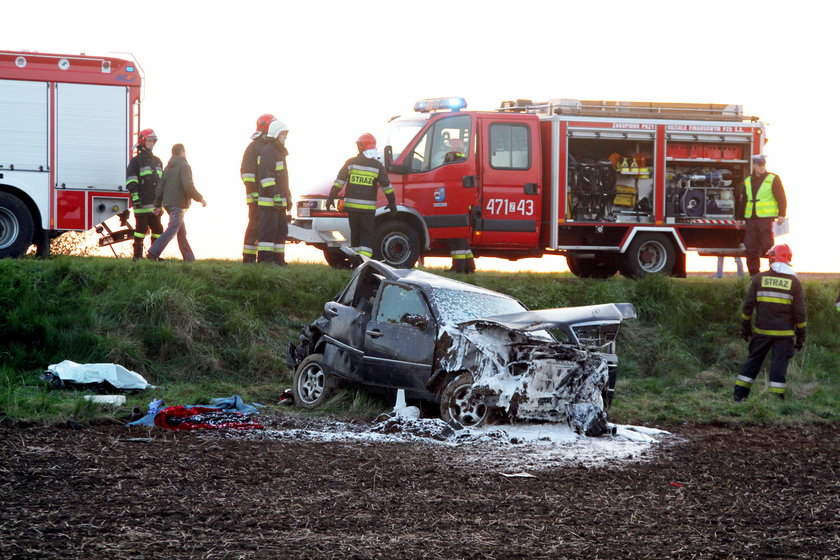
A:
{"x": 248, "y": 172}
{"x": 362, "y": 173}
{"x": 463, "y": 261}
{"x": 759, "y": 201}
{"x": 274, "y": 199}
{"x": 780, "y": 322}
{"x": 141, "y": 179}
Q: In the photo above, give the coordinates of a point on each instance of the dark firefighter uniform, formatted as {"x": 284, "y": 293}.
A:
{"x": 777, "y": 301}
{"x": 273, "y": 201}
{"x": 759, "y": 201}
{"x": 248, "y": 172}
{"x": 142, "y": 176}
{"x": 361, "y": 175}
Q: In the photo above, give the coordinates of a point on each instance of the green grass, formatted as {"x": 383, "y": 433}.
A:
{"x": 218, "y": 328}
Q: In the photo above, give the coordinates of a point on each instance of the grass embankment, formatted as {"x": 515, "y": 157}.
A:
{"x": 214, "y": 329}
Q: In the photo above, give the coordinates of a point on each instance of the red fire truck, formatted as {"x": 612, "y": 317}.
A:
{"x": 612, "y": 186}
{"x": 66, "y": 129}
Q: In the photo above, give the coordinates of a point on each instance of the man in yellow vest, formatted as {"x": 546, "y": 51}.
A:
{"x": 759, "y": 202}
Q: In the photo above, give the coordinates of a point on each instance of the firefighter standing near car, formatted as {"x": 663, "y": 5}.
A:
{"x": 463, "y": 261}
{"x": 274, "y": 200}
{"x": 776, "y": 299}
{"x": 141, "y": 179}
{"x": 759, "y": 201}
{"x": 362, "y": 174}
{"x": 248, "y": 172}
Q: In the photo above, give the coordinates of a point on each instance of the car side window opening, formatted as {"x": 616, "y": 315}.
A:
{"x": 401, "y": 305}
{"x": 510, "y": 146}
{"x": 365, "y": 292}
{"x": 446, "y": 141}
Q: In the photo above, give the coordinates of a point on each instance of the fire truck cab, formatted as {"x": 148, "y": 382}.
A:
{"x": 612, "y": 186}
{"x": 66, "y": 130}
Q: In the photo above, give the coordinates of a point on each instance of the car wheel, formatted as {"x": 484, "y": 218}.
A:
{"x": 649, "y": 253}
{"x": 458, "y": 403}
{"x": 591, "y": 268}
{"x": 312, "y": 385}
{"x": 336, "y": 258}
{"x": 16, "y": 226}
{"x": 397, "y": 244}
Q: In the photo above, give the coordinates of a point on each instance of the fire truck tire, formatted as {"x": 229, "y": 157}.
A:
{"x": 591, "y": 268}
{"x": 336, "y": 258}
{"x": 396, "y": 244}
{"x": 16, "y": 226}
{"x": 649, "y": 253}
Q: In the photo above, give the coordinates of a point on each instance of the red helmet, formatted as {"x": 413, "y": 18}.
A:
{"x": 780, "y": 253}
{"x": 457, "y": 145}
{"x": 146, "y": 134}
{"x": 263, "y": 121}
{"x": 366, "y": 142}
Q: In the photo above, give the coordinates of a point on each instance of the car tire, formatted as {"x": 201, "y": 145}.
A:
{"x": 312, "y": 385}
{"x": 649, "y": 253}
{"x": 396, "y": 244}
{"x": 457, "y": 405}
{"x": 591, "y": 268}
{"x": 336, "y": 258}
{"x": 16, "y": 226}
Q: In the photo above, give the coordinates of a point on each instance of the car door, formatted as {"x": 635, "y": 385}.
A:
{"x": 400, "y": 339}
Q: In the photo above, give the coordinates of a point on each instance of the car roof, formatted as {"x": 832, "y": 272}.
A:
{"x": 424, "y": 280}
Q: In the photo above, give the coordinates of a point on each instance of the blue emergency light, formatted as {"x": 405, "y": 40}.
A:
{"x": 440, "y": 104}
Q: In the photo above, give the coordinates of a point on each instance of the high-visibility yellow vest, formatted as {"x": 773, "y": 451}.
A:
{"x": 765, "y": 203}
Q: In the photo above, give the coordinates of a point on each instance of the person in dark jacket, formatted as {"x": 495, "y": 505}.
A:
{"x": 275, "y": 198}
{"x": 141, "y": 179}
{"x": 759, "y": 201}
{"x": 248, "y": 172}
{"x": 777, "y": 299}
{"x": 362, "y": 174}
{"x": 175, "y": 192}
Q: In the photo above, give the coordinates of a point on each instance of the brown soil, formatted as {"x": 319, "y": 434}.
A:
{"x": 115, "y": 492}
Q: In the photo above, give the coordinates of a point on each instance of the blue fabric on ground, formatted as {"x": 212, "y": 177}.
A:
{"x": 228, "y": 403}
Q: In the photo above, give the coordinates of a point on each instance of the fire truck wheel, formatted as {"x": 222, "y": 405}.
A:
{"x": 591, "y": 268}
{"x": 396, "y": 244}
{"x": 649, "y": 253}
{"x": 335, "y": 258}
{"x": 16, "y": 226}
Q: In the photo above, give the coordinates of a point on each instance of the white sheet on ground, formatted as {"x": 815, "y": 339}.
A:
{"x": 114, "y": 374}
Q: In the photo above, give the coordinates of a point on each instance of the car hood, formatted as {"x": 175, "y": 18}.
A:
{"x": 561, "y": 317}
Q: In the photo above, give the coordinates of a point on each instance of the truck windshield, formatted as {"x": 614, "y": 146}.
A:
{"x": 457, "y": 306}
{"x": 400, "y": 132}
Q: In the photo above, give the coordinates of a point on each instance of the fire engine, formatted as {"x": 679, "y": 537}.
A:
{"x": 66, "y": 129}
{"x": 611, "y": 185}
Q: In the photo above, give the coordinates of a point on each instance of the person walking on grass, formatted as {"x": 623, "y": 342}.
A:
{"x": 175, "y": 192}
{"x": 777, "y": 299}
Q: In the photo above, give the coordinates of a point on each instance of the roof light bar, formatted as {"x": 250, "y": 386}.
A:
{"x": 440, "y": 104}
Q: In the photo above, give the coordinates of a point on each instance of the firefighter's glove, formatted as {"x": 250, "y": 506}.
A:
{"x": 746, "y": 330}
{"x": 393, "y": 208}
{"x": 800, "y": 339}
{"x": 288, "y": 215}
{"x": 330, "y": 203}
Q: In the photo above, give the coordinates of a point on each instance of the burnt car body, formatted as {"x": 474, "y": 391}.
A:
{"x": 475, "y": 352}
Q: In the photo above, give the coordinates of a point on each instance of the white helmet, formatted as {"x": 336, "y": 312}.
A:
{"x": 275, "y": 128}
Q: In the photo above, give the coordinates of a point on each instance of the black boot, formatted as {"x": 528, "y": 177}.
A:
{"x": 740, "y": 394}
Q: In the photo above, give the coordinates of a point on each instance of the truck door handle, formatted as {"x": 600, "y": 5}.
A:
{"x": 373, "y": 333}
{"x": 470, "y": 181}
{"x": 530, "y": 188}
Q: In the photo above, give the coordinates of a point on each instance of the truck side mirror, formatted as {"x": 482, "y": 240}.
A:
{"x": 470, "y": 181}
{"x": 389, "y": 157}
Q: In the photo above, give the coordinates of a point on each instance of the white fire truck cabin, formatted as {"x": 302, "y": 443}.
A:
{"x": 66, "y": 130}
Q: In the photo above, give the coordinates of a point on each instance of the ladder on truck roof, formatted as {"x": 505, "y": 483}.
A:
{"x": 629, "y": 109}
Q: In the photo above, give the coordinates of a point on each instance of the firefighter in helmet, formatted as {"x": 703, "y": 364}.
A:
{"x": 248, "y": 172}
{"x": 776, "y": 299}
{"x": 362, "y": 174}
{"x": 275, "y": 199}
{"x": 759, "y": 201}
{"x": 463, "y": 261}
{"x": 141, "y": 179}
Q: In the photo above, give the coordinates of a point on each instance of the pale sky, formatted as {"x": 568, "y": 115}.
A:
{"x": 333, "y": 70}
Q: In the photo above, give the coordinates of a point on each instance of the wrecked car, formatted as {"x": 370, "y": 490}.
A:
{"x": 475, "y": 353}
